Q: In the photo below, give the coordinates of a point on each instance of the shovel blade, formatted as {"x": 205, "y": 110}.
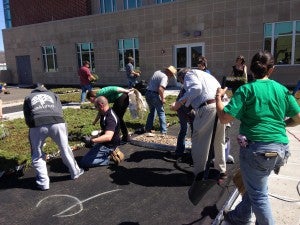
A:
{"x": 199, "y": 188}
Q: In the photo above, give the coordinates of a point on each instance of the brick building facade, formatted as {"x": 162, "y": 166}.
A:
{"x": 27, "y": 12}
{"x": 158, "y": 35}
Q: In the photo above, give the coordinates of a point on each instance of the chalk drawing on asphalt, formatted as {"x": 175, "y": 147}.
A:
{"x": 77, "y": 203}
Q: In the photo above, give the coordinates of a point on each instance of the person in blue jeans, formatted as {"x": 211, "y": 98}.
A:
{"x": 108, "y": 140}
{"x": 155, "y": 97}
{"x": 85, "y": 77}
{"x": 186, "y": 117}
{"x": 262, "y": 106}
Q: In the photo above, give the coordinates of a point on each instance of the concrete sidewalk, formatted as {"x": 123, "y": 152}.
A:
{"x": 284, "y": 188}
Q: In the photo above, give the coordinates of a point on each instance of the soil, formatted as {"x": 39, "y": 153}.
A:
{"x": 161, "y": 139}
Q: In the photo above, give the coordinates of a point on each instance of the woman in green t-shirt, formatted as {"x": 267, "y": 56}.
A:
{"x": 262, "y": 107}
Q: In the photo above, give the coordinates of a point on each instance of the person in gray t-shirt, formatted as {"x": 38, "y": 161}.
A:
{"x": 155, "y": 97}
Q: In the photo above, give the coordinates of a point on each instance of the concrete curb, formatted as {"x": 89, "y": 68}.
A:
{"x": 153, "y": 145}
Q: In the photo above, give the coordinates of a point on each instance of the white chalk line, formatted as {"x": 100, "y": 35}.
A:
{"x": 79, "y": 203}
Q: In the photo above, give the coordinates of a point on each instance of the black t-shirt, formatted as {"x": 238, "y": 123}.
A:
{"x": 110, "y": 122}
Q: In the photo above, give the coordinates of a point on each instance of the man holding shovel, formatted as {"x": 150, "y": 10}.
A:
{"x": 200, "y": 93}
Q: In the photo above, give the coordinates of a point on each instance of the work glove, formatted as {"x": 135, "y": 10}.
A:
{"x": 87, "y": 141}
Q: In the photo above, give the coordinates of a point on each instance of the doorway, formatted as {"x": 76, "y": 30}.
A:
{"x": 24, "y": 70}
{"x": 187, "y": 55}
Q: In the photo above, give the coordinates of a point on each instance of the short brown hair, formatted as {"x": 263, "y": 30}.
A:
{"x": 86, "y": 63}
{"x": 90, "y": 94}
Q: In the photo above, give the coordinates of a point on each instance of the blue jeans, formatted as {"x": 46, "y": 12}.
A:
{"x": 84, "y": 89}
{"x": 131, "y": 83}
{"x": 97, "y": 156}
{"x": 183, "y": 121}
{"x": 155, "y": 105}
{"x": 255, "y": 169}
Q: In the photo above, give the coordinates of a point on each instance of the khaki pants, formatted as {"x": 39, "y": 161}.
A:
{"x": 201, "y": 139}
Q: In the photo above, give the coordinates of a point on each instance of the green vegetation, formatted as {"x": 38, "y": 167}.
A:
{"x": 15, "y": 148}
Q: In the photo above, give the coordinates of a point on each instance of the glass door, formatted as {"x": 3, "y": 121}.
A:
{"x": 187, "y": 55}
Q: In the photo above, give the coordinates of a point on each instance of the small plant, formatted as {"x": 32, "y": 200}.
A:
{"x": 96, "y": 78}
{"x": 3, "y": 131}
{"x": 15, "y": 148}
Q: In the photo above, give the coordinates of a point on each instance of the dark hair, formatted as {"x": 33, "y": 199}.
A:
{"x": 202, "y": 61}
{"x": 90, "y": 94}
{"x": 261, "y": 63}
{"x": 182, "y": 72}
{"x": 241, "y": 58}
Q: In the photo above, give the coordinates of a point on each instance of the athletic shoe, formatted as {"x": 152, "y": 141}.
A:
{"x": 42, "y": 188}
{"x": 78, "y": 175}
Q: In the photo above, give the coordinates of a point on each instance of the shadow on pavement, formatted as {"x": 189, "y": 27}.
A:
{"x": 149, "y": 177}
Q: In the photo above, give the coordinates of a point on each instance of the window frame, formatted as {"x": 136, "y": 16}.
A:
{"x": 7, "y": 14}
{"x": 273, "y": 36}
{"x": 163, "y": 1}
{"x": 122, "y": 50}
{"x": 91, "y": 54}
{"x": 104, "y": 7}
{"x": 138, "y": 3}
{"x": 45, "y": 58}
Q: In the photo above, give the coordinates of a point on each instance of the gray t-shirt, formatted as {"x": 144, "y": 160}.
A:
{"x": 158, "y": 79}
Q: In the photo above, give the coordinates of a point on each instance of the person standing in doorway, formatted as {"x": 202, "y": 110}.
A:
{"x": 202, "y": 64}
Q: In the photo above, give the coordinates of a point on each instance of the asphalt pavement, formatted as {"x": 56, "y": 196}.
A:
{"x": 143, "y": 189}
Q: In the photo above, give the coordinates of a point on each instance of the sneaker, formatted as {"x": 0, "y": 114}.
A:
{"x": 42, "y": 188}
{"x": 78, "y": 175}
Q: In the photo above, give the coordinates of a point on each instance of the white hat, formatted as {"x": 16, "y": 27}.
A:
{"x": 173, "y": 70}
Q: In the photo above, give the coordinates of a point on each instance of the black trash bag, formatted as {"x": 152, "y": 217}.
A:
{"x": 141, "y": 86}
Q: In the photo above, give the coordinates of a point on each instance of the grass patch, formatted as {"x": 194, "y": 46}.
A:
{"x": 15, "y": 148}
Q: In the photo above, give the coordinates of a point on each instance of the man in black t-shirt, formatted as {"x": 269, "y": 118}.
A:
{"x": 108, "y": 139}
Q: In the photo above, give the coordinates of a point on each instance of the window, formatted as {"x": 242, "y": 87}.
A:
{"x": 128, "y": 47}
{"x": 131, "y": 4}
{"x": 49, "y": 58}
{"x": 163, "y": 1}
{"x": 282, "y": 39}
{"x": 107, "y": 6}
{"x": 7, "y": 15}
{"x": 85, "y": 52}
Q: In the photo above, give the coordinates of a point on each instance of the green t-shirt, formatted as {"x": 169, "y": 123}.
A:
{"x": 110, "y": 92}
{"x": 262, "y": 106}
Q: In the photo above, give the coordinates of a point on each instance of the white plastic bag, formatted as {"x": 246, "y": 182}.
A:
{"x": 137, "y": 104}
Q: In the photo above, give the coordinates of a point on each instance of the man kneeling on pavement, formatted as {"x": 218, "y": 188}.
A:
{"x": 104, "y": 146}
